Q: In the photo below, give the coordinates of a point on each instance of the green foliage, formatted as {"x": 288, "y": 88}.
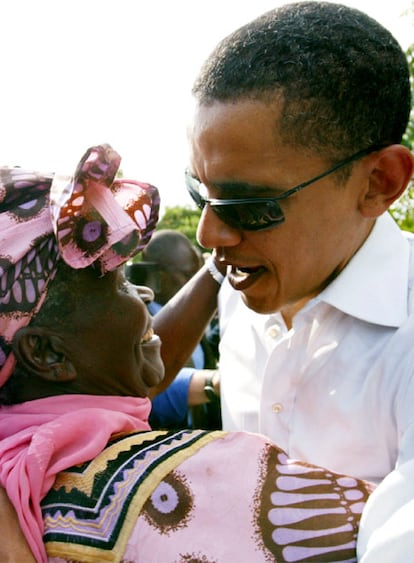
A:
{"x": 181, "y": 218}
{"x": 403, "y": 209}
{"x": 409, "y": 134}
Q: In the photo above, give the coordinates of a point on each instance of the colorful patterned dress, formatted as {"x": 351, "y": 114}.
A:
{"x": 201, "y": 497}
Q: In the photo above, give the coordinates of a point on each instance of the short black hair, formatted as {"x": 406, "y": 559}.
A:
{"x": 343, "y": 78}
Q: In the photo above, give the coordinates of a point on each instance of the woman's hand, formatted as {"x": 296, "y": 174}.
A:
{"x": 13, "y": 545}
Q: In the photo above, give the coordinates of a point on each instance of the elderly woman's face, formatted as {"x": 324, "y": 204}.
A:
{"x": 113, "y": 347}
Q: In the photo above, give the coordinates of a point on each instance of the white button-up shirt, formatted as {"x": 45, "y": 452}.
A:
{"x": 337, "y": 389}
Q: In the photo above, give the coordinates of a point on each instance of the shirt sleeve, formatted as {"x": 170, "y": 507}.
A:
{"x": 170, "y": 408}
{"x": 386, "y": 533}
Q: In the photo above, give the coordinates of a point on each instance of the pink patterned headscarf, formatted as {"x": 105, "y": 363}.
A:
{"x": 89, "y": 218}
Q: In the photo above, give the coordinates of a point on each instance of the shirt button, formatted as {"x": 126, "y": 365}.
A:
{"x": 274, "y": 331}
{"x": 277, "y": 408}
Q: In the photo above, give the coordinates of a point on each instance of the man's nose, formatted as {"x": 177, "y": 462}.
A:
{"x": 212, "y": 232}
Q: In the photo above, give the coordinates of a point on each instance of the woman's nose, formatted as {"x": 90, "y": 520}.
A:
{"x": 146, "y": 293}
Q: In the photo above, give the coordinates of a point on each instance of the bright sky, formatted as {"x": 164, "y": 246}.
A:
{"x": 75, "y": 74}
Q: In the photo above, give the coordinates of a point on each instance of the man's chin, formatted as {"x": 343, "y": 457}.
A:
{"x": 259, "y": 305}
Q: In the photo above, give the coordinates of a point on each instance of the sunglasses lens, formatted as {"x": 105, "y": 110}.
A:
{"x": 192, "y": 189}
{"x": 251, "y": 216}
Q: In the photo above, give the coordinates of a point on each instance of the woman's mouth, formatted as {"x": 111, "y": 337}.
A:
{"x": 149, "y": 335}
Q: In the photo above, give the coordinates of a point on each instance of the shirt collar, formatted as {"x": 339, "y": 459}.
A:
{"x": 374, "y": 285}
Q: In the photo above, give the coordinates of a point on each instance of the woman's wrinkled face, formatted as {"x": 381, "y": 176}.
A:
{"x": 112, "y": 345}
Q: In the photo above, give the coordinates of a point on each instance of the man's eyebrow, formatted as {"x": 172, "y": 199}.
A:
{"x": 242, "y": 189}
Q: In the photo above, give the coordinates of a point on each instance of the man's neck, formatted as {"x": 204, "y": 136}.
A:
{"x": 290, "y": 311}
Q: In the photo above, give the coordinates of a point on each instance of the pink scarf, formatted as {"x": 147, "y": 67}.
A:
{"x": 38, "y": 439}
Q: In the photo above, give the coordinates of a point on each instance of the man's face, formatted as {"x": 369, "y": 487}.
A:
{"x": 236, "y": 152}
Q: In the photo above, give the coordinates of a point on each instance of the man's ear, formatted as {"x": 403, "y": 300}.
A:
{"x": 41, "y": 352}
{"x": 391, "y": 171}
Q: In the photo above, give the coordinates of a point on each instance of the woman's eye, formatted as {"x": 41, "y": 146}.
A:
{"x": 125, "y": 286}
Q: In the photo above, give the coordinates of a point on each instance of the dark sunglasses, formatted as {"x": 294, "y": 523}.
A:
{"x": 258, "y": 213}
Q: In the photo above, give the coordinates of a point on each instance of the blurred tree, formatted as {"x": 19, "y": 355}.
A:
{"x": 180, "y": 218}
{"x": 403, "y": 209}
